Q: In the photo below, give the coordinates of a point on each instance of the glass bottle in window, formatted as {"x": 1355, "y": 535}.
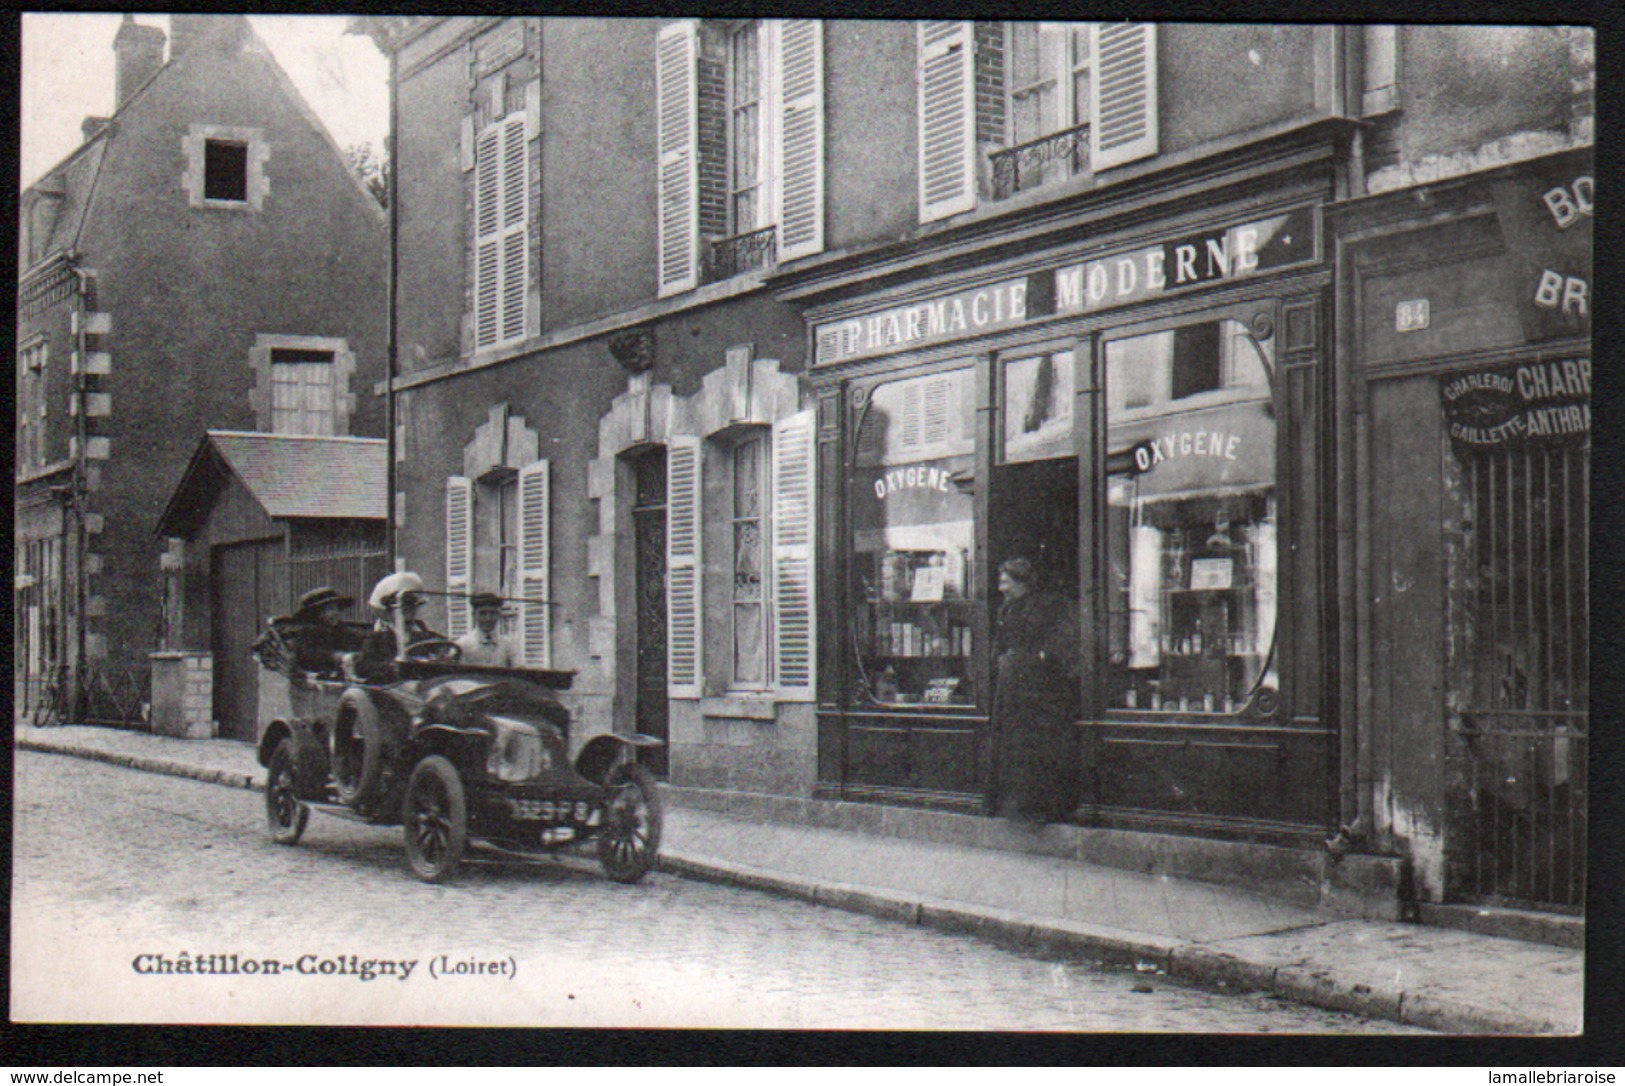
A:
{"x": 1191, "y": 507}
{"x": 913, "y": 540}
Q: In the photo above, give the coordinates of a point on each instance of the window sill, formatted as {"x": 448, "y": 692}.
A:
{"x": 741, "y": 706}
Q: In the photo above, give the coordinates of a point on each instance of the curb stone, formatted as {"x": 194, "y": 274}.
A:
{"x": 1187, "y": 961}
{"x": 1056, "y": 938}
{"x": 168, "y": 768}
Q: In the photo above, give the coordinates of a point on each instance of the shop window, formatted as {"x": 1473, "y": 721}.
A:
{"x": 302, "y": 392}
{"x": 913, "y": 540}
{"x": 1006, "y": 107}
{"x": 1191, "y": 496}
{"x": 740, "y": 137}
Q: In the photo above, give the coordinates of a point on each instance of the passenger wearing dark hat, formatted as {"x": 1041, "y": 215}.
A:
{"x": 483, "y": 645}
{"x": 321, "y": 637}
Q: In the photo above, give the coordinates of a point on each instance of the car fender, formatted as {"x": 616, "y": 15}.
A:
{"x": 603, "y": 752}
{"x": 310, "y": 758}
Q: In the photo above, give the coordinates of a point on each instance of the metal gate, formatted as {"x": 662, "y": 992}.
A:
{"x": 351, "y": 572}
{"x": 1525, "y": 721}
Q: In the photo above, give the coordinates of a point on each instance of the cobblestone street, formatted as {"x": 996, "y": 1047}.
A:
{"x": 111, "y": 864}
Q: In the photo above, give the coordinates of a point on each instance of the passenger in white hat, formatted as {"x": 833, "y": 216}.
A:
{"x": 394, "y": 601}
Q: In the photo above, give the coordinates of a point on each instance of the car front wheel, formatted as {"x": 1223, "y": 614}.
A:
{"x": 285, "y": 816}
{"x": 435, "y": 814}
{"x": 633, "y": 818}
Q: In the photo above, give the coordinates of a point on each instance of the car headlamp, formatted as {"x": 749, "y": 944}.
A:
{"x": 516, "y": 752}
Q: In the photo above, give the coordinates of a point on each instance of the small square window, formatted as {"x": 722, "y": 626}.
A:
{"x": 225, "y": 170}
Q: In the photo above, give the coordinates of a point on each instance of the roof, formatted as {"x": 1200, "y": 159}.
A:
{"x": 339, "y": 478}
{"x": 74, "y": 177}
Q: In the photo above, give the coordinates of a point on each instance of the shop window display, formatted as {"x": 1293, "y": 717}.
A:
{"x": 1192, "y": 521}
{"x": 913, "y": 515}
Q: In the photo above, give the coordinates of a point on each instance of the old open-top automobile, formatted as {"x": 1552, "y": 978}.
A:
{"x": 469, "y": 760}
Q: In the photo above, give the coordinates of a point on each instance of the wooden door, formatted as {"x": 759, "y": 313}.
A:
{"x": 248, "y": 586}
{"x": 649, "y": 529}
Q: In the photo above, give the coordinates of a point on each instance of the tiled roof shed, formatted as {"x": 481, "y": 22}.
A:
{"x": 343, "y": 478}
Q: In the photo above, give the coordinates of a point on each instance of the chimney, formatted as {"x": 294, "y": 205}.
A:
{"x": 91, "y": 126}
{"x": 192, "y": 33}
{"x": 138, "y": 52}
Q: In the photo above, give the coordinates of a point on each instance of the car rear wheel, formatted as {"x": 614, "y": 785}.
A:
{"x": 435, "y": 814}
{"x": 359, "y": 753}
{"x": 633, "y": 817}
{"x": 285, "y": 816}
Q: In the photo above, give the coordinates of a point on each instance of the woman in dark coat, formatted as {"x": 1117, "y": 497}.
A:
{"x": 1035, "y": 649}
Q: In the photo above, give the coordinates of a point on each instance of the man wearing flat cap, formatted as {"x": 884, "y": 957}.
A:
{"x": 483, "y": 645}
{"x": 321, "y": 636}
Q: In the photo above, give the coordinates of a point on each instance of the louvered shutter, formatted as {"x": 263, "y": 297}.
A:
{"x": 515, "y": 223}
{"x": 795, "y": 502}
{"x": 487, "y": 237}
{"x": 677, "y": 112}
{"x": 459, "y": 552}
{"x": 535, "y": 640}
{"x": 801, "y": 138}
{"x": 946, "y": 76}
{"x": 501, "y": 223}
{"x": 1123, "y": 113}
{"x": 683, "y": 603}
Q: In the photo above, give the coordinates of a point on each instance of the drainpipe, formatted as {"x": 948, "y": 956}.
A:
{"x": 391, "y": 543}
{"x": 78, "y": 497}
{"x": 1351, "y": 424}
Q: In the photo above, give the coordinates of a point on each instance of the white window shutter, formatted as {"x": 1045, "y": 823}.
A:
{"x": 1123, "y": 113}
{"x": 677, "y": 114}
{"x": 795, "y": 505}
{"x": 801, "y": 138}
{"x": 515, "y": 223}
{"x": 946, "y": 74}
{"x": 535, "y": 543}
{"x": 684, "y": 677}
{"x": 459, "y": 552}
{"x": 487, "y": 237}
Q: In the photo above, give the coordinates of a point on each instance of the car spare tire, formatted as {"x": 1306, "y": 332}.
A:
{"x": 360, "y": 751}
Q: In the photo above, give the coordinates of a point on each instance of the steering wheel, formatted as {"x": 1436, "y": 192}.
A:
{"x": 433, "y": 650}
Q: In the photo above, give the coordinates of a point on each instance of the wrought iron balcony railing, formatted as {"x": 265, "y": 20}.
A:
{"x": 1023, "y": 166}
{"x": 728, "y": 257}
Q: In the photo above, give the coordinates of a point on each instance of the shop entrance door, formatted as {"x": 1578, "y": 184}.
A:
{"x": 1033, "y": 514}
{"x": 649, "y": 532}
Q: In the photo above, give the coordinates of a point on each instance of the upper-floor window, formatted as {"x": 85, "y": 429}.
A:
{"x": 302, "y": 384}
{"x": 225, "y": 170}
{"x": 302, "y": 391}
{"x": 31, "y": 369}
{"x": 1006, "y": 107}
{"x": 225, "y": 167}
{"x": 1048, "y": 68}
{"x": 740, "y": 139}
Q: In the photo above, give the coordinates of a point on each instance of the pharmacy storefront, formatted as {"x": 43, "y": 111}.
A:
{"x": 1141, "y": 419}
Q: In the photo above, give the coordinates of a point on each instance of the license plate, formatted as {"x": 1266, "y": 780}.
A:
{"x": 548, "y": 810}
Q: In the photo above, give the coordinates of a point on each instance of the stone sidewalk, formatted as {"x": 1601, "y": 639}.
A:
{"x": 1447, "y": 980}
